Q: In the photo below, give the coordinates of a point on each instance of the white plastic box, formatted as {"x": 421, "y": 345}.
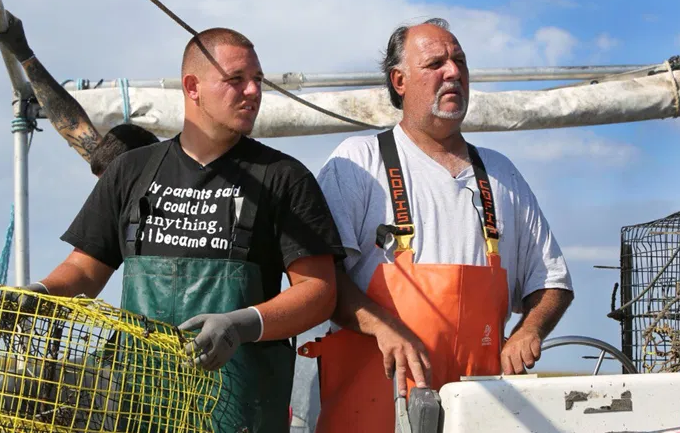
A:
{"x": 648, "y": 403}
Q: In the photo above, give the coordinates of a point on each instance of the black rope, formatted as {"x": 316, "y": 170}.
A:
{"x": 294, "y": 97}
{"x": 613, "y": 305}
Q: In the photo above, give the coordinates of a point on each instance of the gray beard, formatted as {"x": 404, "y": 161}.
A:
{"x": 449, "y": 115}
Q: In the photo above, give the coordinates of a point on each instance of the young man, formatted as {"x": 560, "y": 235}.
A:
{"x": 205, "y": 224}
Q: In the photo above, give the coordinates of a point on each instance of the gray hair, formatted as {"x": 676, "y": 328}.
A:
{"x": 394, "y": 56}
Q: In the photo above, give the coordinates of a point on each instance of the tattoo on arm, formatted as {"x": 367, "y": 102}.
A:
{"x": 63, "y": 111}
{"x": 85, "y": 140}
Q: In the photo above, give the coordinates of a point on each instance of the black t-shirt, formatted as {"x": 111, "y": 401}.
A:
{"x": 191, "y": 207}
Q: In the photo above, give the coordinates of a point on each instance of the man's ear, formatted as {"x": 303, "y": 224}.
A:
{"x": 190, "y": 84}
{"x": 397, "y": 77}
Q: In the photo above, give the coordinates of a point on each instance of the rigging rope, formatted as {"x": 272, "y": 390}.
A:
{"x": 125, "y": 94}
{"x": 281, "y": 90}
{"x": 7, "y": 249}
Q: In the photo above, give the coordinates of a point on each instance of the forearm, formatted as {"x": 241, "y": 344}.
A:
{"x": 297, "y": 309}
{"x": 72, "y": 278}
{"x": 543, "y": 309}
{"x": 355, "y": 310}
{"x": 63, "y": 111}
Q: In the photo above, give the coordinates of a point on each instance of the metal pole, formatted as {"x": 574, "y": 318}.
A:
{"x": 627, "y": 329}
{"x": 299, "y": 80}
{"x": 22, "y": 90}
{"x": 599, "y": 362}
{"x": 21, "y": 250}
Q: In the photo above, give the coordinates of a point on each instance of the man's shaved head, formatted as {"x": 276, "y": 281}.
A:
{"x": 195, "y": 59}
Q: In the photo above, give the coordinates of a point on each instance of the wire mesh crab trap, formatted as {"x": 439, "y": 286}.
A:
{"x": 80, "y": 365}
{"x": 650, "y": 295}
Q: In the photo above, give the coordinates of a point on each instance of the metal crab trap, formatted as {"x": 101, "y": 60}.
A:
{"x": 650, "y": 294}
{"x": 80, "y": 365}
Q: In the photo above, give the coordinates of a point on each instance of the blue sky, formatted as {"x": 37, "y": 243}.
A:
{"x": 587, "y": 197}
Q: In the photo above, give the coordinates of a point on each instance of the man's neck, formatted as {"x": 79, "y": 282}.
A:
{"x": 444, "y": 144}
{"x": 204, "y": 145}
{"x": 439, "y": 137}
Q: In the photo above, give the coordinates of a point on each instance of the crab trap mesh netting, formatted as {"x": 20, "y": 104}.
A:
{"x": 80, "y": 365}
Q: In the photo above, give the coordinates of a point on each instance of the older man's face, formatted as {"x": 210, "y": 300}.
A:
{"x": 436, "y": 81}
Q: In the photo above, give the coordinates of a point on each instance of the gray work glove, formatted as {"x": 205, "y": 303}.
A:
{"x": 221, "y": 335}
{"x": 37, "y": 288}
{"x": 26, "y": 302}
{"x": 14, "y": 38}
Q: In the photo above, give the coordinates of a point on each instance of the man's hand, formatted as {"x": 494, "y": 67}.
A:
{"x": 37, "y": 288}
{"x": 402, "y": 351}
{"x": 541, "y": 310}
{"x": 27, "y": 302}
{"x": 221, "y": 335}
{"x": 523, "y": 348}
{"x": 14, "y": 38}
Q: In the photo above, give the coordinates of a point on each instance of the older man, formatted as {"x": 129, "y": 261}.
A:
{"x": 462, "y": 243}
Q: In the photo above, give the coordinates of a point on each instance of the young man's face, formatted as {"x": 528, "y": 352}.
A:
{"x": 233, "y": 100}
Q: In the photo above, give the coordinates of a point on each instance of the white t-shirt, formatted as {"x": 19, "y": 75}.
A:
{"x": 447, "y": 223}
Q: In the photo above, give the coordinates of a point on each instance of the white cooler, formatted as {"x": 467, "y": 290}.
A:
{"x": 648, "y": 403}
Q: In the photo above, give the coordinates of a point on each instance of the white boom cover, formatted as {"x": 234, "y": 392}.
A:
{"x": 653, "y": 97}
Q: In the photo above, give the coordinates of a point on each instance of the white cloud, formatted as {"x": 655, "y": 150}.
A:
{"x": 299, "y": 35}
{"x": 599, "y": 255}
{"x": 560, "y": 145}
{"x": 650, "y": 18}
{"x": 309, "y": 38}
{"x": 607, "y": 151}
{"x": 558, "y": 44}
{"x": 604, "y": 42}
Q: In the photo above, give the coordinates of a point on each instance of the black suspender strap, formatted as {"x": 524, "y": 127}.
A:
{"x": 141, "y": 208}
{"x": 395, "y": 178}
{"x": 244, "y": 209}
{"x": 490, "y": 226}
{"x": 403, "y": 230}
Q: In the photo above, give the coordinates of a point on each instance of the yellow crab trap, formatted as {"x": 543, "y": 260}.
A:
{"x": 81, "y": 365}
